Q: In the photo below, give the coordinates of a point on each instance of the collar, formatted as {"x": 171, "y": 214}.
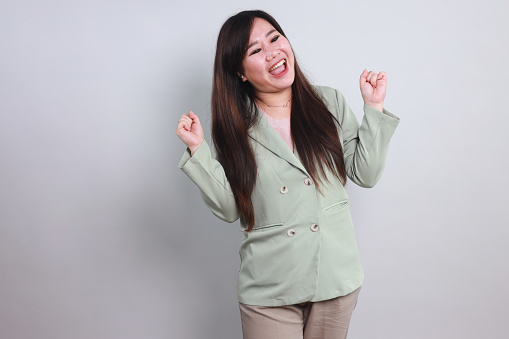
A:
{"x": 263, "y": 133}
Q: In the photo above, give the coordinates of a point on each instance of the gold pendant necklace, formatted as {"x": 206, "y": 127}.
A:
{"x": 284, "y": 106}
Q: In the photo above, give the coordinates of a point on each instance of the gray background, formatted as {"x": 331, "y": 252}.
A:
{"x": 102, "y": 236}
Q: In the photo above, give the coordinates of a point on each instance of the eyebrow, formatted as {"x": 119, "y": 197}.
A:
{"x": 256, "y": 41}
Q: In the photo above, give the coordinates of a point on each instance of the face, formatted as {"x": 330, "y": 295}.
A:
{"x": 269, "y": 62}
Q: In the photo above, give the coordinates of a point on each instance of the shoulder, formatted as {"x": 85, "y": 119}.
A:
{"x": 330, "y": 95}
{"x": 325, "y": 90}
{"x": 332, "y": 98}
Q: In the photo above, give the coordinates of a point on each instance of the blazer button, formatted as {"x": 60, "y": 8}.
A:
{"x": 291, "y": 232}
{"x": 314, "y": 227}
{"x": 308, "y": 181}
{"x": 284, "y": 190}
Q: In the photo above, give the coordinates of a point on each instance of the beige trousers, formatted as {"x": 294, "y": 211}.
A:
{"x": 328, "y": 319}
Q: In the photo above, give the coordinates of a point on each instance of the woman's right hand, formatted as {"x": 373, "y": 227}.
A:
{"x": 189, "y": 130}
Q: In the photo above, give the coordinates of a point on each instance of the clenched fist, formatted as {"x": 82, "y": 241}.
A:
{"x": 373, "y": 88}
{"x": 190, "y": 131}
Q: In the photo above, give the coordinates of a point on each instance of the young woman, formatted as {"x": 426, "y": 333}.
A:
{"x": 284, "y": 150}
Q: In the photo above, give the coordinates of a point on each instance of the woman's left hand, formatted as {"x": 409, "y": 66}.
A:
{"x": 373, "y": 88}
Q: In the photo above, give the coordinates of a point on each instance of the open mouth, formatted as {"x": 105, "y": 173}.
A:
{"x": 279, "y": 68}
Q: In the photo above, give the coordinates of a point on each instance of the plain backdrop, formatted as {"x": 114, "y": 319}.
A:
{"x": 102, "y": 236}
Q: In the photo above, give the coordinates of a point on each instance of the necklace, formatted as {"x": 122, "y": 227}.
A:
{"x": 284, "y": 106}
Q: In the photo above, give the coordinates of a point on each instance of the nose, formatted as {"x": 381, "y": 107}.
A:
{"x": 272, "y": 53}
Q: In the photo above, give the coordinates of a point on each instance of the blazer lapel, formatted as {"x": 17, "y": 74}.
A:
{"x": 263, "y": 133}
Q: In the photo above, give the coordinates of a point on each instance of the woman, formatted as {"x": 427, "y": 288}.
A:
{"x": 284, "y": 150}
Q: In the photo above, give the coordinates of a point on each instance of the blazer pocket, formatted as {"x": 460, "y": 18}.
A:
{"x": 266, "y": 227}
{"x": 335, "y": 207}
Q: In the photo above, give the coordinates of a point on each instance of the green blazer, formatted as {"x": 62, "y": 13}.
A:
{"x": 303, "y": 244}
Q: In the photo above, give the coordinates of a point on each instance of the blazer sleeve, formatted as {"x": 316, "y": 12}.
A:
{"x": 365, "y": 147}
{"x": 208, "y": 174}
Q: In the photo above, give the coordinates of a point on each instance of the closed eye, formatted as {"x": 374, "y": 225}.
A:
{"x": 255, "y": 51}
{"x": 274, "y": 39}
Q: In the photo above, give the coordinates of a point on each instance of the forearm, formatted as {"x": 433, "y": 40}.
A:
{"x": 366, "y": 149}
{"x": 208, "y": 174}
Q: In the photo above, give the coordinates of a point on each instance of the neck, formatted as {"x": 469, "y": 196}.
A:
{"x": 276, "y": 99}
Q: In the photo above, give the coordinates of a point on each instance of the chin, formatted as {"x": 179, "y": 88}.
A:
{"x": 285, "y": 79}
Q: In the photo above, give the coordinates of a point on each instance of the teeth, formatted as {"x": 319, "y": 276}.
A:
{"x": 277, "y": 65}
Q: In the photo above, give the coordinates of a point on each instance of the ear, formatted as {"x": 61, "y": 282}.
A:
{"x": 242, "y": 77}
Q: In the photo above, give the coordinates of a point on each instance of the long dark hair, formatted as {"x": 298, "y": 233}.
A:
{"x": 234, "y": 112}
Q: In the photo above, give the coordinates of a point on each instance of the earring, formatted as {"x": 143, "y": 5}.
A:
{"x": 241, "y": 76}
